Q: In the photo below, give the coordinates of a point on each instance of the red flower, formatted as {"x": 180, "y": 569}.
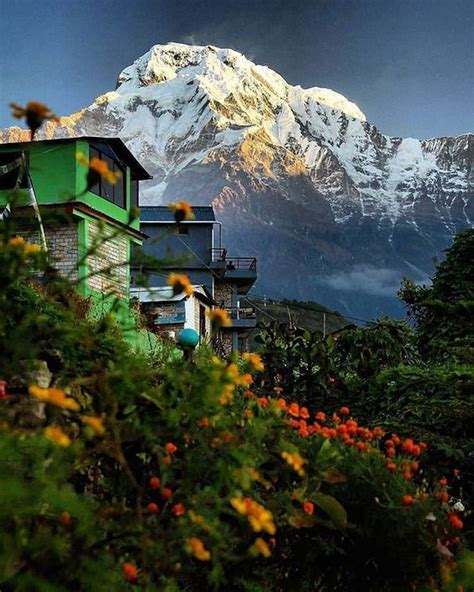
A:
{"x": 153, "y": 508}
{"x": 320, "y": 416}
{"x": 294, "y": 409}
{"x": 203, "y": 422}
{"x": 178, "y": 510}
{"x": 171, "y": 448}
{"x": 166, "y": 493}
{"x": 455, "y": 521}
{"x": 308, "y": 507}
{"x": 443, "y": 482}
{"x": 331, "y": 380}
{"x": 130, "y": 572}
{"x": 304, "y": 413}
{"x": 65, "y": 519}
{"x": 263, "y": 401}
{"x": 248, "y": 394}
{"x": 407, "y": 446}
{"x": 407, "y": 500}
{"x": 154, "y": 483}
{"x": 344, "y": 411}
{"x": 443, "y": 497}
{"x": 391, "y": 466}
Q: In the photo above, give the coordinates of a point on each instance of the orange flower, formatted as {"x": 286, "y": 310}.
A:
{"x": 97, "y": 169}
{"x": 130, "y": 572}
{"x": 407, "y": 500}
{"x": 294, "y": 409}
{"x": 178, "y": 510}
{"x": 378, "y": 432}
{"x": 455, "y": 521}
{"x": 407, "y": 446}
{"x": 204, "y": 422}
{"x": 344, "y": 410}
{"x": 262, "y": 547}
{"x": 57, "y": 436}
{"x": 35, "y": 114}
{"x": 443, "y": 497}
{"x": 154, "y": 483}
{"x": 153, "y": 508}
{"x": 443, "y": 482}
{"x": 182, "y": 211}
{"x": 304, "y": 413}
{"x": 281, "y": 403}
{"x": 258, "y": 516}
{"x": 320, "y": 416}
{"x": 308, "y": 507}
{"x": 219, "y": 318}
{"x": 180, "y": 283}
{"x": 263, "y": 401}
{"x": 391, "y": 466}
{"x": 96, "y": 423}
{"x": 54, "y": 396}
{"x": 196, "y": 546}
{"x": 171, "y": 448}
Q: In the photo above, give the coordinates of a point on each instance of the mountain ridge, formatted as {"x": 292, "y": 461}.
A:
{"x": 288, "y": 169}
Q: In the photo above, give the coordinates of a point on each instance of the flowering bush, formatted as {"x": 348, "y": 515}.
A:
{"x": 120, "y": 471}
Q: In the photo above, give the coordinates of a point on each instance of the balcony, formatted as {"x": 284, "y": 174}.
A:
{"x": 243, "y": 317}
{"x": 238, "y": 270}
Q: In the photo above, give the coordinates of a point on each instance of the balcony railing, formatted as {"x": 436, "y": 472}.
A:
{"x": 237, "y": 313}
{"x": 233, "y": 263}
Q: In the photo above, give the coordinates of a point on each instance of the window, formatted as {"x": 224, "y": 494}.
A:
{"x": 183, "y": 229}
{"x": 134, "y": 190}
{"x": 113, "y": 193}
{"x": 9, "y": 180}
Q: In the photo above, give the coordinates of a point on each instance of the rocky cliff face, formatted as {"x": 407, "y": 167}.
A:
{"x": 335, "y": 210}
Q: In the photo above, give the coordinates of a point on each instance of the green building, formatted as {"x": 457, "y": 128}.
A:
{"x": 89, "y": 231}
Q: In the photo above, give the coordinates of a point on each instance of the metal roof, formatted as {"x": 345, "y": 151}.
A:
{"x": 117, "y": 145}
{"x": 164, "y": 214}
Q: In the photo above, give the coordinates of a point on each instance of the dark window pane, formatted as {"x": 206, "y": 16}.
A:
{"x": 183, "y": 229}
{"x": 94, "y": 153}
{"x": 134, "y": 194}
{"x": 119, "y": 187}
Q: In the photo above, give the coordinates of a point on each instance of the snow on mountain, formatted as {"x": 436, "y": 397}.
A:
{"x": 301, "y": 168}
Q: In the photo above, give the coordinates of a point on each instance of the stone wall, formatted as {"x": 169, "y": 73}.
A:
{"x": 223, "y": 294}
{"x": 108, "y": 263}
{"x": 62, "y": 241}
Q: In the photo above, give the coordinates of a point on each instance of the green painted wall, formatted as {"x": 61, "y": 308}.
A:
{"x": 58, "y": 177}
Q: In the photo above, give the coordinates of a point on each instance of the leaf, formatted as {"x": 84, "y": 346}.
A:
{"x": 332, "y": 508}
{"x": 333, "y": 476}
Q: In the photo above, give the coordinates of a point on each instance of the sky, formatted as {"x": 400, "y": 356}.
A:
{"x": 407, "y": 64}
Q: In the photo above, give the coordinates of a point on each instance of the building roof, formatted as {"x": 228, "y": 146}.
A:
{"x": 164, "y": 214}
{"x": 116, "y": 144}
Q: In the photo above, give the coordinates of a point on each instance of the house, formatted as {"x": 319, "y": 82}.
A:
{"x": 194, "y": 248}
{"x": 88, "y": 232}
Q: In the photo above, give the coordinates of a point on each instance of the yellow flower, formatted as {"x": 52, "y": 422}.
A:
{"x": 219, "y": 318}
{"x": 54, "y": 396}
{"x": 96, "y": 423}
{"x": 57, "y": 436}
{"x": 254, "y": 360}
{"x": 35, "y": 114}
{"x": 196, "y": 546}
{"x": 227, "y": 394}
{"x": 30, "y": 249}
{"x": 244, "y": 380}
{"x": 262, "y": 547}
{"x": 182, "y": 211}
{"x": 18, "y": 241}
{"x": 258, "y": 516}
{"x": 198, "y": 519}
{"x": 180, "y": 283}
{"x": 98, "y": 168}
{"x": 295, "y": 461}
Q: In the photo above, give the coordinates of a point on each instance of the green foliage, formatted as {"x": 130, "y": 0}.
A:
{"x": 444, "y": 312}
{"x": 175, "y": 468}
{"x": 434, "y": 404}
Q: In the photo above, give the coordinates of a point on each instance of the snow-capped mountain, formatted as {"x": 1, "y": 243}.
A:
{"x": 335, "y": 210}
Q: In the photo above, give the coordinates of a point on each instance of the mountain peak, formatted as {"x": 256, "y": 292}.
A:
{"x": 221, "y": 71}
